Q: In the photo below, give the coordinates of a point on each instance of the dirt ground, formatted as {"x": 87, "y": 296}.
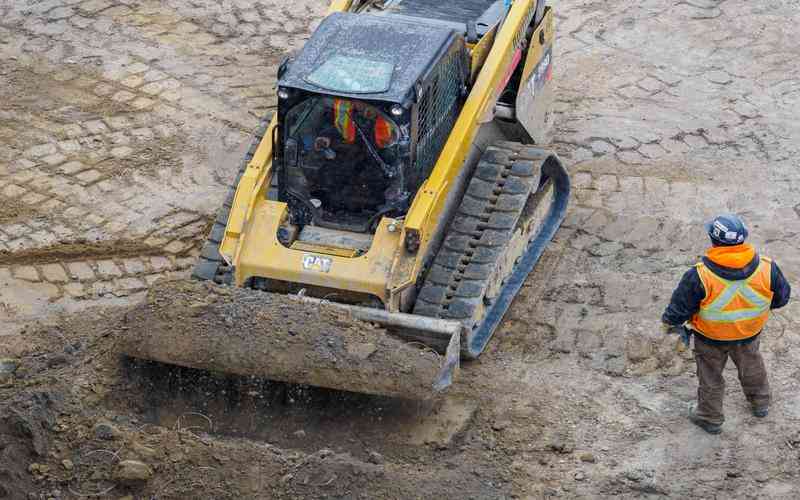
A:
{"x": 121, "y": 123}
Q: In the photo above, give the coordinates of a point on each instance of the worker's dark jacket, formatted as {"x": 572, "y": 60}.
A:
{"x": 689, "y": 294}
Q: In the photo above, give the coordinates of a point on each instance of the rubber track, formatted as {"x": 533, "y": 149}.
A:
{"x": 507, "y": 174}
{"x": 210, "y": 266}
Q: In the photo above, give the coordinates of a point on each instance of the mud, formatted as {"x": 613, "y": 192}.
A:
{"x": 232, "y": 330}
{"x": 79, "y": 251}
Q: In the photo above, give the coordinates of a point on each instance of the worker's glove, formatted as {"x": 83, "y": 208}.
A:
{"x": 685, "y": 334}
{"x": 666, "y": 328}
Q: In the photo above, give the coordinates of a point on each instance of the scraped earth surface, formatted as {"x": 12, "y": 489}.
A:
{"x": 121, "y": 124}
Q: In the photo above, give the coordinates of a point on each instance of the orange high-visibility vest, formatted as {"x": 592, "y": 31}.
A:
{"x": 734, "y": 310}
{"x": 343, "y": 119}
{"x": 383, "y": 132}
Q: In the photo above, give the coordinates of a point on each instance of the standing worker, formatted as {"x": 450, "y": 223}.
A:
{"x": 726, "y": 300}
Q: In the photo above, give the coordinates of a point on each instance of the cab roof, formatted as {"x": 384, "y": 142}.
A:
{"x": 368, "y": 57}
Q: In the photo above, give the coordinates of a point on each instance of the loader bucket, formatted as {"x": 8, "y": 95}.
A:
{"x": 291, "y": 339}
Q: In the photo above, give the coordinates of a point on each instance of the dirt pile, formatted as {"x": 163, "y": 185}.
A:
{"x": 24, "y": 424}
{"x": 74, "y": 423}
{"x": 211, "y": 327}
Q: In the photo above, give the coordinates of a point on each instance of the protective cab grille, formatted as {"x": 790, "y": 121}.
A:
{"x": 438, "y": 109}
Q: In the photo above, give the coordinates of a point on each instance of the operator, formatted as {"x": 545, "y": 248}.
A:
{"x": 381, "y": 128}
{"x": 357, "y": 123}
{"x": 726, "y": 300}
{"x": 341, "y": 136}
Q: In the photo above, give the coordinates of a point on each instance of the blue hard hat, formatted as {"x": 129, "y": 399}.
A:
{"x": 727, "y": 229}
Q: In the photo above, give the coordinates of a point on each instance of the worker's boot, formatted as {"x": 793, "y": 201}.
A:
{"x": 760, "y": 412}
{"x": 704, "y": 424}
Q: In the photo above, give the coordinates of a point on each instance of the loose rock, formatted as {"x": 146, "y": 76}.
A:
{"x": 132, "y": 472}
{"x": 38, "y": 469}
{"x": 8, "y": 367}
{"x": 105, "y": 431}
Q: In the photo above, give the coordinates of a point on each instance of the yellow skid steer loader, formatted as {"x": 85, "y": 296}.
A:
{"x": 398, "y": 184}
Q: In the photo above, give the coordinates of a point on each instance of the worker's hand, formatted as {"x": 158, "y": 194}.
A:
{"x": 666, "y": 328}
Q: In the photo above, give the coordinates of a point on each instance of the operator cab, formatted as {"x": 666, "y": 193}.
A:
{"x": 345, "y": 160}
{"x": 363, "y": 113}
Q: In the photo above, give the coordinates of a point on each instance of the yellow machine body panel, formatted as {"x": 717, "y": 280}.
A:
{"x": 267, "y": 257}
{"x": 250, "y": 242}
{"x": 535, "y": 93}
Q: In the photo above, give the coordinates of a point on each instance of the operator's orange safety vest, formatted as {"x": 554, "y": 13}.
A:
{"x": 734, "y": 310}
{"x": 383, "y": 132}
{"x": 343, "y": 118}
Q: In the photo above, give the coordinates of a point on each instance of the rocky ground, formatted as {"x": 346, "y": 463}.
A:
{"x": 122, "y": 121}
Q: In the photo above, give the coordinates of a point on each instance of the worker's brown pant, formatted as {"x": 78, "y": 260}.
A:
{"x": 711, "y": 360}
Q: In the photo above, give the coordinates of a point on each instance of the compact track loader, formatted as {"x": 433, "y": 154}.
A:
{"x": 398, "y": 184}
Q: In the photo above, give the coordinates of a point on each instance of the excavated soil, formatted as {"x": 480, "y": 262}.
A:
{"x": 75, "y": 414}
{"x": 233, "y": 330}
{"x": 79, "y": 250}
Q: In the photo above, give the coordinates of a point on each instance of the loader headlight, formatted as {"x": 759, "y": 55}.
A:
{"x": 397, "y": 110}
{"x": 283, "y": 94}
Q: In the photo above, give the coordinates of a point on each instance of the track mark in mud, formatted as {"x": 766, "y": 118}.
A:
{"x": 80, "y": 251}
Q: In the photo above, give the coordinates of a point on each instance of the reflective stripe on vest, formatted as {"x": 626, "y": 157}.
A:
{"x": 343, "y": 119}
{"x": 734, "y": 310}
